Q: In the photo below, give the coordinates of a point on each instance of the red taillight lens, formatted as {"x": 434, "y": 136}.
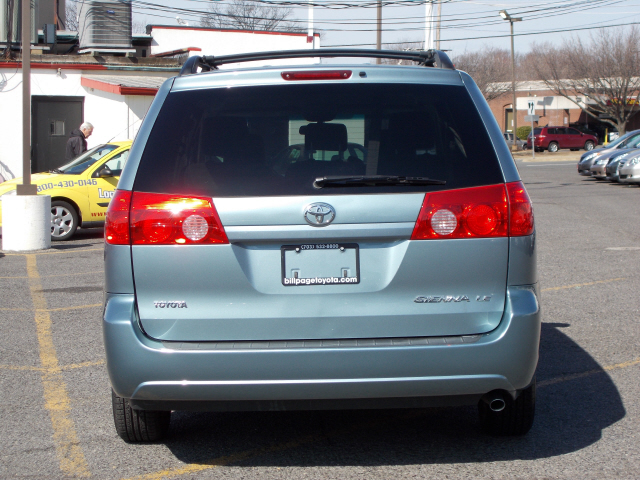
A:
{"x": 116, "y": 225}
{"x": 466, "y": 213}
{"x": 520, "y": 211}
{"x": 478, "y": 212}
{"x": 318, "y": 75}
{"x": 160, "y": 219}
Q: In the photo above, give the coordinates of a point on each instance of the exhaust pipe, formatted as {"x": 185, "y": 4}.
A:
{"x": 495, "y": 400}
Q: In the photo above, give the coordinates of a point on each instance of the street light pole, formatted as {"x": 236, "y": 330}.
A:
{"x": 510, "y": 19}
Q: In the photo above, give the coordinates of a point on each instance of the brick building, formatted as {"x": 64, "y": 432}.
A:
{"x": 553, "y": 109}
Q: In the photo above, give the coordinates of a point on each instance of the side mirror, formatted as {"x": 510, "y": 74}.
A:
{"x": 105, "y": 172}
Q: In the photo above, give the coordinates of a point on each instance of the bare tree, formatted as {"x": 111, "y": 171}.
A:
{"x": 601, "y": 76}
{"x": 248, "y": 15}
{"x": 490, "y": 67}
{"x": 71, "y": 14}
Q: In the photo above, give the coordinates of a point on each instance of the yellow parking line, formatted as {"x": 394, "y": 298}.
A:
{"x": 578, "y": 285}
{"x": 76, "y": 307}
{"x": 57, "y": 252}
{"x": 574, "y": 376}
{"x": 256, "y": 452}
{"x": 62, "y": 275}
{"x": 52, "y": 370}
{"x": 57, "y": 402}
{"x": 82, "y": 365}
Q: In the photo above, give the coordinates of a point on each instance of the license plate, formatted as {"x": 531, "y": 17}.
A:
{"x": 320, "y": 264}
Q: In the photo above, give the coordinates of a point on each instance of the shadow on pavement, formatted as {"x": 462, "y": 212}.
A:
{"x": 570, "y": 416}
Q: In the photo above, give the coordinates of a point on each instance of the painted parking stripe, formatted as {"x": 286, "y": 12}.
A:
{"x": 551, "y": 164}
{"x": 61, "y": 309}
{"x": 62, "y": 368}
{"x": 579, "y": 285}
{"x": 96, "y": 272}
{"x": 56, "y": 252}
{"x": 57, "y": 402}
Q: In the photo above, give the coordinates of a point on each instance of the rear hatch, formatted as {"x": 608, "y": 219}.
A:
{"x": 313, "y": 192}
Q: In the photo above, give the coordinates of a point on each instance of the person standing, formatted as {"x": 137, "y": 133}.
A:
{"x": 77, "y": 142}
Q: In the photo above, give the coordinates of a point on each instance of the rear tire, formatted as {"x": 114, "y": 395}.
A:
{"x": 515, "y": 419}
{"x": 553, "y": 147}
{"x": 64, "y": 220}
{"x": 588, "y": 145}
{"x": 136, "y": 426}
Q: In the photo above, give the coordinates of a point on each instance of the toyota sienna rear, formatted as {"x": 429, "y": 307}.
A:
{"x": 387, "y": 260}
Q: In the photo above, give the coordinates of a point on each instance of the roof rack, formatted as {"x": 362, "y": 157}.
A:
{"x": 427, "y": 58}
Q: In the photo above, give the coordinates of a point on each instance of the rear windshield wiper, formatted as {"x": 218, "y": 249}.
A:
{"x": 372, "y": 180}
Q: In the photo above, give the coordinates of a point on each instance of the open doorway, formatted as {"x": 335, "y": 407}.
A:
{"x": 53, "y": 119}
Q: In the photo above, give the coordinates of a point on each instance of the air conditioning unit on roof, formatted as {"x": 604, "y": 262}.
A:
{"x": 104, "y": 25}
{"x": 11, "y": 17}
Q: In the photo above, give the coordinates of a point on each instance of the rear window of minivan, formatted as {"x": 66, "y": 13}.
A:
{"x": 276, "y": 140}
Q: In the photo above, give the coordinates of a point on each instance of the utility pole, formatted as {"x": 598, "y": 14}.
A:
{"x": 439, "y": 15}
{"x": 26, "y": 188}
{"x": 310, "y": 36}
{"x": 511, "y": 20}
{"x": 26, "y": 216}
{"x": 428, "y": 25}
{"x": 379, "y": 32}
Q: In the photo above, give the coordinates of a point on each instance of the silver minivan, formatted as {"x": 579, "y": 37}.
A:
{"x": 236, "y": 280}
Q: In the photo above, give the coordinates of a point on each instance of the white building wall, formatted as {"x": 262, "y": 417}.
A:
{"x": 114, "y": 117}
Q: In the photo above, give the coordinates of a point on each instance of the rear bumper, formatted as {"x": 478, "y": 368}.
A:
{"x": 149, "y": 373}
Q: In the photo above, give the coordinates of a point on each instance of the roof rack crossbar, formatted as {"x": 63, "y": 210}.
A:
{"x": 429, "y": 58}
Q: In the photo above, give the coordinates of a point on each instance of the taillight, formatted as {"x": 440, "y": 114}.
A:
{"x": 478, "y": 212}
{"x": 318, "y": 75}
{"x": 116, "y": 225}
{"x": 161, "y": 219}
{"x": 520, "y": 211}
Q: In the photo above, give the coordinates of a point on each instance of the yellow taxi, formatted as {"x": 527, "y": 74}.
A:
{"x": 80, "y": 190}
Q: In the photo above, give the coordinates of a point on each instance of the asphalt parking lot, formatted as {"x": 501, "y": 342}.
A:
{"x": 55, "y": 415}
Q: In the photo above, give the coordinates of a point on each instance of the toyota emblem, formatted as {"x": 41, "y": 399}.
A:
{"x": 319, "y": 214}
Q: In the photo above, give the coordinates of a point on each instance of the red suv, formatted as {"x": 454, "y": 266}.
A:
{"x": 555, "y": 138}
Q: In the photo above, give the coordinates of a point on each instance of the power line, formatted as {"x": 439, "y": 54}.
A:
{"x": 499, "y": 36}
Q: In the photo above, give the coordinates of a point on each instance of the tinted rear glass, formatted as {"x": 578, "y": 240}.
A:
{"x": 276, "y": 140}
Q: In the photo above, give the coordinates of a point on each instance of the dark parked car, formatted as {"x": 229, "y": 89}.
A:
{"x": 555, "y": 138}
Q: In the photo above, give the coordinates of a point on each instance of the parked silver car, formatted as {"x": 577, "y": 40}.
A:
{"x": 599, "y": 168}
{"x": 589, "y": 158}
{"x": 630, "y": 171}
{"x": 613, "y": 169}
{"x": 405, "y": 278}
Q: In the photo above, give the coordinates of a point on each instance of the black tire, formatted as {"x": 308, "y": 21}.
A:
{"x": 588, "y": 145}
{"x": 553, "y": 147}
{"x": 524, "y": 147}
{"x": 137, "y": 426}
{"x": 64, "y": 220}
{"x": 515, "y": 419}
